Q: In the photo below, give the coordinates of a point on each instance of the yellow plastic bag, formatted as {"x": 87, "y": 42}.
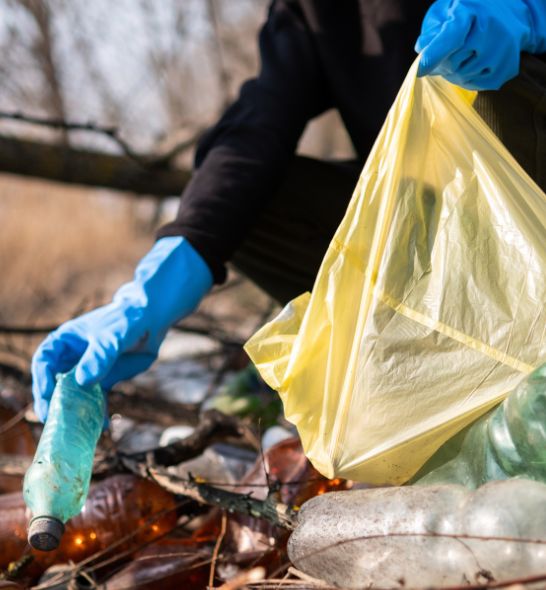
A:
{"x": 429, "y": 305}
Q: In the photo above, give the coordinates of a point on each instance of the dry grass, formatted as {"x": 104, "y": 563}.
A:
{"x": 62, "y": 249}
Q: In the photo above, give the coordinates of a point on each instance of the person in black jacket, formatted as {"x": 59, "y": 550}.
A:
{"x": 253, "y": 201}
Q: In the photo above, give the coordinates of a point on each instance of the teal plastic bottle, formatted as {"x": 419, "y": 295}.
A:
{"x": 57, "y": 482}
{"x": 509, "y": 441}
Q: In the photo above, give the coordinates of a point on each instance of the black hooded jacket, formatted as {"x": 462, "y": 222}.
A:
{"x": 351, "y": 55}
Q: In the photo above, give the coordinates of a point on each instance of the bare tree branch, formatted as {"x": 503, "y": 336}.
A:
{"x": 90, "y": 168}
{"x": 147, "y": 161}
{"x": 176, "y": 150}
{"x": 61, "y": 123}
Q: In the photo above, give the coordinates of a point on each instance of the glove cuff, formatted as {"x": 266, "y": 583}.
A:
{"x": 536, "y": 43}
{"x": 169, "y": 282}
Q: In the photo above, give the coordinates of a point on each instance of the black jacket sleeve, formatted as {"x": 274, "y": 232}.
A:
{"x": 242, "y": 160}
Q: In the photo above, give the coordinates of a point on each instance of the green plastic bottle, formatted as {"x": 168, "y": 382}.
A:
{"x": 57, "y": 482}
{"x": 509, "y": 441}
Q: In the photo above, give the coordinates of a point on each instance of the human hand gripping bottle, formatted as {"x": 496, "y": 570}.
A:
{"x": 91, "y": 353}
{"x": 57, "y": 482}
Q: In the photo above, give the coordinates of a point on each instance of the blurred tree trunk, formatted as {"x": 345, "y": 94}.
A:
{"x": 218, "y": 54}
{"x": 44, "y": 52}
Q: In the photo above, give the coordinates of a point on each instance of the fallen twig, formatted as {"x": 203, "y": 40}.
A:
{"x": 275, "y": 512}
{"x": 213, "y": 427}
{"x": 253, "y": 575}
{"x": 501, "y": 583}
{"x": 306, "y": 577}
{"x": 217, "y": 546}
{"x": 434, "y": 535}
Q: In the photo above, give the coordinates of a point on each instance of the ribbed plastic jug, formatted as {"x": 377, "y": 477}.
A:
{"x": 57, "y": 482}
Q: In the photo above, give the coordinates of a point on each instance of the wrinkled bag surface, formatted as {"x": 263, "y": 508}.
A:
{"x": 429, "y": 306}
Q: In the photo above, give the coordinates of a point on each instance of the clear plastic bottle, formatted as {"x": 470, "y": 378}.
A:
{"x": 507, "y": 442}
{"x": 57, "y": 483}
{"x": 424, "y": 536}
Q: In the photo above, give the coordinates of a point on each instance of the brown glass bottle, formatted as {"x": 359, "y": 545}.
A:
{"x": 15, "y": 439}
{"x": 167, "y": 564}
{"x": 115, "y": 509}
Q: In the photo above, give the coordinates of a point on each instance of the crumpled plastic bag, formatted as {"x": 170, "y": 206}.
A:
{"x": 429, "y": 305}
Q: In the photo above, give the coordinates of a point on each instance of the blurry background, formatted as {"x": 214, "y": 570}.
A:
{"x": 144, "y": 79}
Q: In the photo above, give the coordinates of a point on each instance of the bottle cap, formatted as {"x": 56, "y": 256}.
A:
{"x": 45, "y": 532}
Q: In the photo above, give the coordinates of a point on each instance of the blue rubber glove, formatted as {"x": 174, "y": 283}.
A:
{"x": 121, "y": 339}
{"x": 477, "y": 43}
